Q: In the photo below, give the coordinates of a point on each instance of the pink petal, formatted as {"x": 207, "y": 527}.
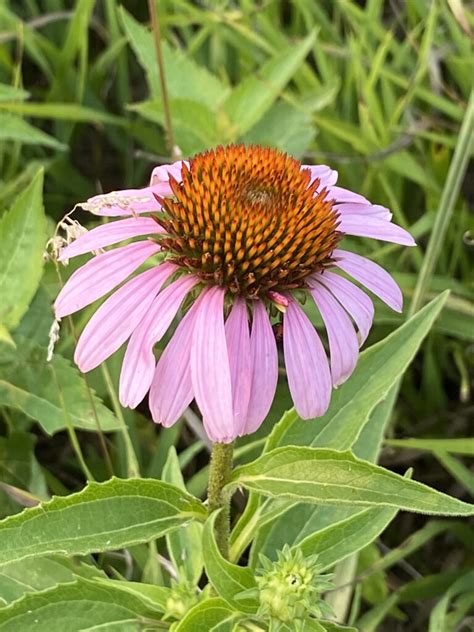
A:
{"x": 171, "y": 391}
{"x": 116, "y": 319}
{"x": 210, "y": 370}
{"x": 264, "y": 356}
{"x": 327, "y": 176}
{"x": 126, "y": 202}
{"x": 306, "y": 363}
{"x": 109, "y": 234}
{"x": 368, "y": 226}
{"x": 354, "y": 300}
{"x": 370, "y": 274}
{"x": 100, "y": 275}
{"x": 238, "y": 347}
{"x": 342, "y": 196}
{"x": 343, "y": 345}
{"x": 363, "y": 211}
{"x": 139, "y": 361}
{"x": 162, "y": 173}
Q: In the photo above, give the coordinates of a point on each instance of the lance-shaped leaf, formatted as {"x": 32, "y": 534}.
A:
{"x": 82, "y": 605}
{"x": 343, "y": 538}
{"x": 184, "y": 545}
{"x": 211, "y": 614}
{"x": 38, "y": 574}
{"x": 22, "y": 240}
{"x": 228, "y": 579}
{"x": 378, "y": 369}
{"x": 102, "y": 517}
{"x": 249, "y": 101}
{"x": 322, "y": 476}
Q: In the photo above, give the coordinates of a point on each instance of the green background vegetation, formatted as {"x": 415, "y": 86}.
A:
{"x": 377, "y": 90}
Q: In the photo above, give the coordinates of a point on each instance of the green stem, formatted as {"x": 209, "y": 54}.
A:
{"x": 71, "y": 430}
{"x": 152, "y": 10}
{"x": 220, "y": 470}
{"x": 133, "y": 468}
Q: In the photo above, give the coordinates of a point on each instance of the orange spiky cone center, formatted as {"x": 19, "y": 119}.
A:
{"x": 248, "y": 218}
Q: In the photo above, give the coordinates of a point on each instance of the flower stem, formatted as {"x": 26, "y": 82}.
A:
{"x": 219, "y": 475}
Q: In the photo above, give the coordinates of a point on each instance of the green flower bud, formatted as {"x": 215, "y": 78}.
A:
{"x": 289, "y": 589}
{"x": 183, "y": 596}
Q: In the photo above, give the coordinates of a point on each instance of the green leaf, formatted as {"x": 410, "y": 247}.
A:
{"x": 371, "y": 620}
{"x": 249, "y": 101}
{"x": 22, "y": 240}
{"x": 184, "y": 78}
{"x": 37, "y": 574}
{"x": 12, "y": 93}
{"x": 154, "y": 596}
{"x": 284, "y": 127}
{"x": 331, "y": 626}
{"x": 62, "y": 112}
{"x": 343, "y": 538}
{"x": 194, "y": 123}
{"x": 52, "y": 393}
{"x": 16, "y": 129}
{"x": 5, "y": 336}
{"x": 318, "y": 475}
{"x": 184, "y": 545}
{"x": 455, "y": 446}
{"x": 18, "y": 468}
{"x": 228, "y": 579}
{"x": 211, "y": 615}
{"x": 80, "y": 606}
{"x": 102, "y": 517}
{"x": 378, "y": 369}
{"x": 438, "y": 618}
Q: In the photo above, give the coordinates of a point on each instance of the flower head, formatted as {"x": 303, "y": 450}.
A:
{"x": 233, "y": 239}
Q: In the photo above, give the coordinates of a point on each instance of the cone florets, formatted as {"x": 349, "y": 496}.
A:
{"x": 250, "y": 219}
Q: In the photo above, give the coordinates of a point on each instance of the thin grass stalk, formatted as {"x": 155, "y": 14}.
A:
{"x": 452, "y": 186}
{"x": 133, "y": 467}
{"x": 100, "y": 432}
{"x": 155, "y": 25}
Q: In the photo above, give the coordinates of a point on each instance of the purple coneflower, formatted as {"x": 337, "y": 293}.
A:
{"x": 240, "y": 235}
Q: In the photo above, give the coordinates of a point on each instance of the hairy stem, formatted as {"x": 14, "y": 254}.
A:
{"x": 219, "y": 475}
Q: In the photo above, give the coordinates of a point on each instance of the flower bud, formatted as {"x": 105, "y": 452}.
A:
{"x": 289, "y": 589}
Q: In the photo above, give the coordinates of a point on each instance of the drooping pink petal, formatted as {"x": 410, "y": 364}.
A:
{"x": 343, "y": 344}
{"x": 114, "y": 321}
{"x": 171, "y": 391}
{"x": 375, "y": 227}
{"x": 327, "y": 176}
{"x": 100, "y": 275}
{"x": 210, "y": 370}
{"x": 162, "y": 173}
{"x": 264, "y": 363}
{"x": 139, "y": 362}
{"x": 306, "y": 363}
{"x": 353, "y": 299}
{"x": 238, "y": 347}
{"x": 363, "y": 211}
{"x": 109, "y": 234}
{"x": 126, "y": 202}
{"x": 370, "y": 274}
